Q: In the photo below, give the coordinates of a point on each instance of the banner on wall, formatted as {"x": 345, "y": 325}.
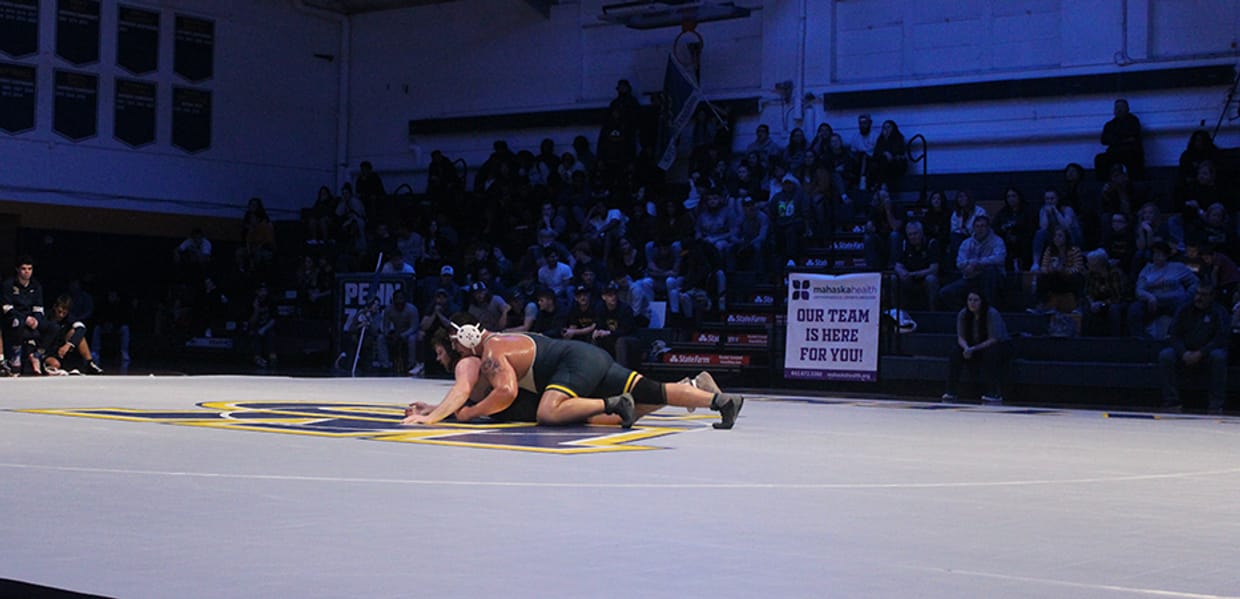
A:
{"x": 75, "y": 108}
{"x": 191, "y": 119}
{"x": 833, "y": 327}
{"x": 17, "y": 97}
{"x": 19, "y": 27}
{"x": 194, "y": 51}
{"x": 77, "y": 31}
{"x": 137, "y": 39}
{"x": 134, "y": 112}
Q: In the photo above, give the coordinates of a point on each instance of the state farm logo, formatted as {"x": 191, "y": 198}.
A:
{"x": 688, "y": 359}
{"x": 749, "y": 318}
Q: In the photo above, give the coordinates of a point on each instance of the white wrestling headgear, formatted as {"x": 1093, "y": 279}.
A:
{"x": 468, "y": 335}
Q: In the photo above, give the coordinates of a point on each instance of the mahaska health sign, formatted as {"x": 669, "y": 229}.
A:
{"x": 833, "y": 324}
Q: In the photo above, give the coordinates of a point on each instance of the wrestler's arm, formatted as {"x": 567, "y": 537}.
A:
{"x": 466, "y": 376}
{"x": 503, "y": 379}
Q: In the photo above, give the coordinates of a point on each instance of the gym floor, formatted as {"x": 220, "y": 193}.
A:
{"x": 231, "y": 486}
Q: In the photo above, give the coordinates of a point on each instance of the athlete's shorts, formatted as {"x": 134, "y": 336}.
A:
{"x": 578, "y": 369}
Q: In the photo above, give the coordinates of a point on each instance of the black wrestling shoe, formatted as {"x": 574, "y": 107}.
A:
{"x": 623, "y": 406}
{"x": 92, "y": 368}
{"x": 5, "y": 369}
{"x": 728, "y": 405}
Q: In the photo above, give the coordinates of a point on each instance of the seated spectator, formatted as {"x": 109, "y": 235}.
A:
{"x": 261, "y": 328}
{"x": 542, "y": 316}
{"x": 796, "y": 156}
{"x": 1162, "y": 288}
{"x": 1119, "y": 193}
{"x": 964, "y": 211}
{"x": 749, "y": 253}
{"x": 446, "y": 282}
{"x": 194, "y": 254}
{"x": 845, "y": 173}
{"x": 705, "y": 283}
{"x": 1053, "y": 214}
{"x": 981, "y": 344}
{"x": 616, "y": 326}
{"x": 583, "y": 316}
{"x": 1200, "y": 149}
{"x": 258, "y": 235}
{"x": 64, "y": 347}
{"x": 1216, "y": 229}
{"x": 365, "y": 336}
{"x": 400, "y": 328}
{"x": 664, "y": 266}
{"x": 882, "y": 230}
{"x": 1015, "y": 223}
{"x": 23, "y": 313}
{"x": 319, "y": 219}
{"x": 936, "y": 219}
{"x": 1061, "y": 272}
{"x": 351, "y": 216}
{"x": 745, "y": 184}
{"x": 821, "y": 143}
{"x": 411, "y": 244}
{"x": 556, "y": 275}
{"x": 627, "y": 268}
{"x": 918, "y": 265}
{"x": 602, "y": 227}
{"x": 716, "y": 223}
{"x": 491, "y": 310}
{"x": 1108, "y": 294}
{"x": 394, "y": 263}
{"x": 862, "y": 145}
{"x": 1151, "y": 229}
{"x": 1122, "y": 137}
{"x": 435, "y": 318}
{"x": 765, "y": 147}
{"x": 1193, "y": 199}
{"x": 1119, "y": 241}
{"x": 890, "y": 157}
{"x": 980, "y": 263}
{"x": 789, "y": 211}
{"x": 1220, "y": 271}
{"x": 1198, "y": 338}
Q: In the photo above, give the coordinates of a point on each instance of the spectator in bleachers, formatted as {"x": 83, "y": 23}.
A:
{"x": 1220, "y": 271}
{"x": 755, "y": 164}
{"x": 556, "y": 275}
{"x": 753, "y": 234}
{"x": 789, "y": 211}
{"x": 488, "y": 308}
{"x": 980, "y": 262}
{"x": 1108, "y": 292}
{"x": 583, "y": 152}
{"x": 716, "y": 221}
{"x": 319, "y": 218}
{"x": 616, "y": 326}
{"x": 319, "y": 295}
{"x": 548, "y": 162}
{"x": 543, "y": 315}
{"x": 673, "y": 221}
{"x": 1215, "y": 227}
{"x": 936, "y": 220}
{"x": 351, "y": 214}
{"x": 567, "y": 166}
{"x": 796, "y": 156}
{"x": 821, "y": 144}
{"x": 1151, "y": 229}
{"x": 583, "y": 316}
{"x": 435, "y": 317}
{"x": 484, "y": 272}
{"x": 394, "y": 263}
{"x": 890, "y": 157}
{"x": 193, "y": 256}
{"x": 1162, "y": 288}
{"x": 664, "y": 266}
{"x": 705, "y": 283}
{"x": 210, "y": 309}
{"x": 64, "y": 346}
{"x": 411, "y": 244}
{"x": 1199, "y": 336}
{"x": 845, "y": 173}
{"x": 1120, "y": 193}
{"x": 442, "y": 180}
{"x": 917, "y": 266}
{"x": 257, "y": 254}
{"x": 1015, "y": 223}
{"x": 627, "y": 267}
{"x": 883, "y": 228}
{"x": 381, "y": 242}
{"x": 501, "y": 158}
{"x": 261, "y": 328}
{"x": 23, "y": 313}
{"x": 1061, "y": 273}
{"x": 602, "y": 227}
{"x": 401, "y": 325}
{"x": 765, "y": 147}
{"x": 1052, "y": 215}
{"x": 1200, "y": 193}
{"x": 447, "y": 282}
{"x": 369, "y": 188}
{"x": 982, "y": 345}
{"x": 742, "y": 182}
{"x": 550, "y": 218}
{"x": 964, "y": 212}
{"x": 1200, "y": 149}
{"x": 113, "y": 316}
{"x": 862, "y": 144}
{"x": 1122, "y": 137}
{"x": 1119, "y": 241}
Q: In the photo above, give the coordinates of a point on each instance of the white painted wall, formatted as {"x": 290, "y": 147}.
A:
{"x": 474, "y": 57}
{"x": 274, "y": 119}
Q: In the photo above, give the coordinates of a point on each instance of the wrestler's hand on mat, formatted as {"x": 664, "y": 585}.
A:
{"x": 415, "y": 419}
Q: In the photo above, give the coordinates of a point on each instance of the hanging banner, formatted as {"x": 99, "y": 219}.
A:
{"x": 75, "y": 109}
{"x": 19, "y": 27}
{"x": 194, "y": 51}
{"x": 134, "y": 112}
{"x": 833, "y": 327}
{"x": 191, "y": 119}
{"x": 137, "y": 40}
{"x": 681, "y": 97}
{"x": 17, "y": 97}
{"x": 77, "y": 31}
{"x": 354, "y": 291}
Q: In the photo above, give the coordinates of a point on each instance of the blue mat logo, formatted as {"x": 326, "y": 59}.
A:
{"x": 381, "y": 422}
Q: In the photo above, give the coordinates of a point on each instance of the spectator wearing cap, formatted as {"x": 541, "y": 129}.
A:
{"x": 435, "y": 317}
{"x": 616, "y": 325}
{"x": 583, "y": 317}
{"x": 753, "y": 230}
{"x": 491, "y": 310}
{"x": 445, "y": 281}
{"x": 542, "y": 316}
{"x": 789, "y": 211}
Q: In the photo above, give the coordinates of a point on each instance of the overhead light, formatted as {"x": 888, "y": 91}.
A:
{"x": 670, "y": 13}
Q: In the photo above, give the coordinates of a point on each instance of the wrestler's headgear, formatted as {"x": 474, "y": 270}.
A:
{"x": 468, "y": 335}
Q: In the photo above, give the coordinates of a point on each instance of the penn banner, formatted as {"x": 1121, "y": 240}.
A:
{"x": 194, "y": 51}
{"x": 833, "y": 327}
{"x": 19, "y": 27}
{"x": 134, "y": 112}
{"x": 137, "y": 39}
{"x": 77, "y": 31}
{"x": 355, "y": 290}
{"x": 191, "y": 119}
{"x": 17, "y": 97}
{"x": 75, "y": 108}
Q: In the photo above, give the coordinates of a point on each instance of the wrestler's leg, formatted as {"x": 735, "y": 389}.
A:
{"x": 557, "y": 407}
{"x": 616, "y": 419}
{"x": 685, "y": 395}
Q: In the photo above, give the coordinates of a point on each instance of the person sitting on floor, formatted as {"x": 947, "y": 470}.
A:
{"x": 64, "y": 348}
